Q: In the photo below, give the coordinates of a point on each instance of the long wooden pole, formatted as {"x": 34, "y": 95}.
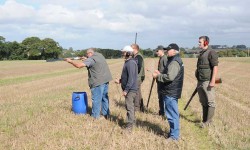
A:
{"x": 152, "y": 84}
{"x": 135, "y": 37}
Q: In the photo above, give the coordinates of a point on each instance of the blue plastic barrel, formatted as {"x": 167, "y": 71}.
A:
{"x": 79, "y": 102}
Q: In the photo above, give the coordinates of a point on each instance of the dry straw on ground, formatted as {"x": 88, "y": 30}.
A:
{"x": 35, "y": 110}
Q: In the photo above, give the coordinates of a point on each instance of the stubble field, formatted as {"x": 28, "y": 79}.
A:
{"x": 35, "y": 110}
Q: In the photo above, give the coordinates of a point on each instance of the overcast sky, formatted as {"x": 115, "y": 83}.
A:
{"x": 112, "y": 24}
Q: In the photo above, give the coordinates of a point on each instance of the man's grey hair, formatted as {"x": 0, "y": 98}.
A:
{"x": 177, "y": 52}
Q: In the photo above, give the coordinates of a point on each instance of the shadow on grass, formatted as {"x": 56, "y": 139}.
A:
{"x": 190, "y": 118}
{"x": 89, "y": 110}
{"x": 119, "y": 103}
{"x": 150, "y": 111}
{"x": 117, "y": 119}
{"x": 151, "y": 127}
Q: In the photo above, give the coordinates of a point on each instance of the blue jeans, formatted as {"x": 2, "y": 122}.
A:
{"x": 100, "y": 100}
{"x": 172, "y": 113}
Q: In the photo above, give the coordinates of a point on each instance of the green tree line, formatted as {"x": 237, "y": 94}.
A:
{"x": 30, "y": 48}
{"x": 107, "y": 53}
{"x": 233, "y": 53}
{"x": 34, "y": 48}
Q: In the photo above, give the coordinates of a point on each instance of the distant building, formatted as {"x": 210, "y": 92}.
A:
{"x": 242, "y": 47}
{"x": 219, "y": 46}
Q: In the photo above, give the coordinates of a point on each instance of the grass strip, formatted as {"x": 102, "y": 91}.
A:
{"x": 22, "y": 79}
{"x": 191, "y": 127}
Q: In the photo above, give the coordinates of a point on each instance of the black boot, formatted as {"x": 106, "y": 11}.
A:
{"x": 204, "y": 112}
{"x": 142, "y": 109}
{"x": 210, "y": 114}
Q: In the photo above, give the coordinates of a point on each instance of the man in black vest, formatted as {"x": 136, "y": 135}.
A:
{"x": 171, "y": 82}
{"x": 207, "y": 68}
{"x": 99, "y": 76}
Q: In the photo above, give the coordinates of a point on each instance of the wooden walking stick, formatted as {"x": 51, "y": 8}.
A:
{"x": 152, "y": 84}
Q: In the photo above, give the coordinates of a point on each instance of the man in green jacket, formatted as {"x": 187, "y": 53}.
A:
{"x": 207, "y": 68}
{"x": 140, "y": 78}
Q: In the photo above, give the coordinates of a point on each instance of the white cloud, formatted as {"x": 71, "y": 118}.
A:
{"x": 155, "y": 20}
{"x": 13, "y": 12}
{"x": 54, "y": 14}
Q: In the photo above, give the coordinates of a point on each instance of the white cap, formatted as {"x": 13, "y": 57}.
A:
{"x": 127, "y": 48}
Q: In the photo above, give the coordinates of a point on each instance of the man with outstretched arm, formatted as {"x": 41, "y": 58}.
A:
{"x": 99, "y": 76}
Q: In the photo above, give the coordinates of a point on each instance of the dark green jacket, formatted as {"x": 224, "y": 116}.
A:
{"x": 162, "y": 63}
{"x": 206, "y": 61}
{"x": 140, "y": 64}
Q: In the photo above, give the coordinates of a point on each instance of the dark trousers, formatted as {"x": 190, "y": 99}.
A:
{"x": 161, "y": 101}
{"x": 161, "y": 104}
{"x": 130, "y": 105}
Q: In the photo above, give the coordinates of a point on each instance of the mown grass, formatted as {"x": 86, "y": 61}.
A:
{"x": 236, "y": 59}
{"x": 22, "y": 79}
{"x": 36, "y": 114}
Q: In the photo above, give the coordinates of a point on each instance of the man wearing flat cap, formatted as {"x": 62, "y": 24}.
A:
{"x": 171, "y": 80}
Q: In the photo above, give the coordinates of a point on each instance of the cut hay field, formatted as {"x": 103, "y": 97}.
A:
{"x": 35, "y": 110}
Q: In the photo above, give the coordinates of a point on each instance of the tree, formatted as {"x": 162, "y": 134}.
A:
{"x": 148, "y": 53}
{"x": 50, "y": 48}
{"x": 241, "y": 47}
{"x": 32, "y": 47}
{"x": 242, "y": 54}
{"x": 41, "y": 49}
{"x": 3, "y": 49}
{"x": 229, "y": 54}
{"x": 182, "y": 54}
{"x": 222, "y": 53}
{"x": 16, "y": 51}
{"x": 2, "y": 39}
